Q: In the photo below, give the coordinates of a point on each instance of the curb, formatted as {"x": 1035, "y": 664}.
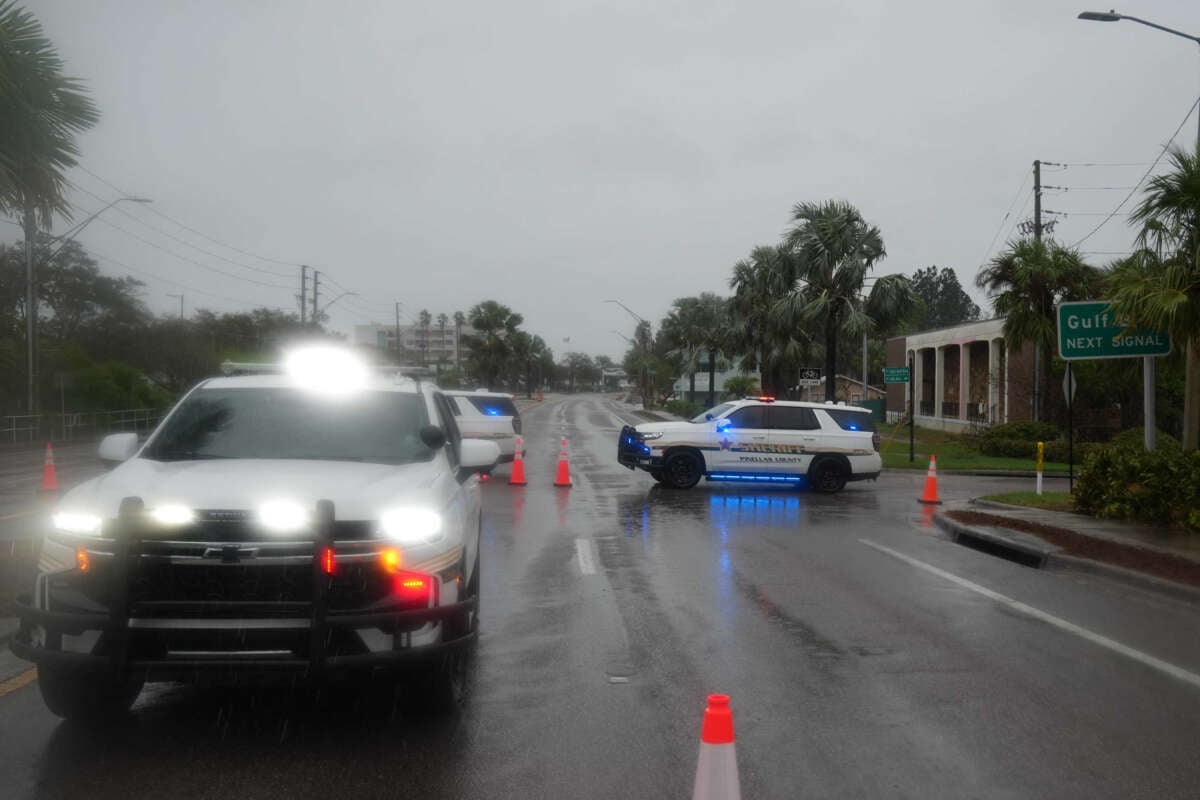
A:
{"x": 1040, "y": 554}
{"x": 1140, "y": 580}
{"x": 1051, "y": 557}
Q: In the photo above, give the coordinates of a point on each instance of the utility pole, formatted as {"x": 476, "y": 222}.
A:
{"x": 1037, "y": 237}
{"x": 316, "y": 290}
{"x": 303, "y": 293}
{"x": 398, "y": 359}
{"x": 30, "y": 304}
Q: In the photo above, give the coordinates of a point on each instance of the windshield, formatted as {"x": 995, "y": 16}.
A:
{"x": 378, "y": 427}
{"x": 712, "y": 413}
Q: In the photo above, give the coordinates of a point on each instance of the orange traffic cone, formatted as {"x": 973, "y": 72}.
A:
{"x": 717, "y": 773}
{"x": 930, "y": 495}
{"x": 49, "y": 475}
{"x": 563, "y": 478}
{"x": 518, "y": 471}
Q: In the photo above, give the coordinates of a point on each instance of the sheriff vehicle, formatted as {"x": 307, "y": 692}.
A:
{"x": 317, "y": 524}
{"x": 758, "y": 440}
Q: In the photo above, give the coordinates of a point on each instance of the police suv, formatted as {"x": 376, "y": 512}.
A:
{"x": 319, "y": 523}
{"x": 758, "y": 440}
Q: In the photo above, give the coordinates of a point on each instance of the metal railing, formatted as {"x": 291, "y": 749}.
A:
{"x": 74, "y": 426}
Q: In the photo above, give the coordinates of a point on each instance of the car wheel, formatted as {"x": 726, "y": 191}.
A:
{"x": 828, "y": 477}
{"x": 657, "y": 474}
{"x": 87, "y": 697}
{"x": 682, "y": 470}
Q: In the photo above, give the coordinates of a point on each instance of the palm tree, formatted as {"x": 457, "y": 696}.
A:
{"x": 1160, "y": 287}
{"x": 1026, "y": 281}
{"x": 495, "y": 323}
{"x": 755, "y": 335}
{"x": 680, "y": 332}
{"x": 442, "y": 321}
{"x": 834, "y": 248}
{"x": 424, "y": 320}
{"x": 460, "y": 319}
{"x": 41, "y": 111}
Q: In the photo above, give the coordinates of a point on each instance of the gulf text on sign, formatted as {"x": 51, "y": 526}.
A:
{"x": 1089, "y": 329}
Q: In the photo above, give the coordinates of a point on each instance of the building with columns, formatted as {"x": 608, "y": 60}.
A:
{"x": 963, "y": 376}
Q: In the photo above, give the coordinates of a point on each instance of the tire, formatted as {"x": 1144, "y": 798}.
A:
{"x": 87, "y": 697}
{"x": 444, "y": 685}
{"x": 827, "y": 476}
{"x": 657, "y": 474}
{"x": 682, "y": 470}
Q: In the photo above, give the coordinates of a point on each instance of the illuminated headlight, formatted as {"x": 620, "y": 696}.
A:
{"x": 326, "y": 369}
{"x": 74, "y": 522}
{"x": 282, "y": 516}
{"x": 411, "y": 525}
{"x": 648, "y": 436}
{"x": 173, "y": 515}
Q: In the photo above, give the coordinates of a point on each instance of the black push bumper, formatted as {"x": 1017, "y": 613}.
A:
{"x": 633, "y": 453}
{"x": 231, "y": 640}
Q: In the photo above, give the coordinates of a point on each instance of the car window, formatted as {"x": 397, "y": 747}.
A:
{"x": 748, "y": 417}
{"x": 793, "y": 418}
{"x": 445, "y": 407}
{"x": 257, "y": 422}
{"x": 494, "y": 406}
{"x": 452, "y": 405}
{"x": 851, "y": 420}
{"x": 712, "y": 413}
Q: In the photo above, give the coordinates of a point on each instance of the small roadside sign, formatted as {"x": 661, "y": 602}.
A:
{"x": 1089, "y": 329}
{"x": 896, "y": 375}
{"x": 810, "y": 376}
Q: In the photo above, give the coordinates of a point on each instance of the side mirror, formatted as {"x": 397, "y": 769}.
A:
{"x": 433, "y": 437}
{"x": 117, "y": 447}
{"x": 478, "y": 454}
{"x": 708, "y": 417}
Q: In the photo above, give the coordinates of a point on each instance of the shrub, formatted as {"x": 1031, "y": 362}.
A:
{"x": 684, "y": 408}
{"x": 1126, "y": 482}
{"x": 1058, "y": 450}
{"x": 1136, "y": 437}
{"x": 1010, "y": 448}
{"x": 1025, "y": 430}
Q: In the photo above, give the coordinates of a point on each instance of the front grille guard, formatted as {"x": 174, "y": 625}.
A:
{"x": 128, "y": 533}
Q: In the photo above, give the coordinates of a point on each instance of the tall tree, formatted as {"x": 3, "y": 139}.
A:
{"x": 834, "y": 250}
{"x": 41, "y": 112}
{"x": 494, "y": 323}
{"x": 1164, "y": 291}
{"x": 424, "y": 320}
{"x": 1025, "y": 282}
{"x": 460, "y": 319}
{"x": 761, "y": 340}
{"x": 442, "y": 322}
{"x": 945, "y": 302}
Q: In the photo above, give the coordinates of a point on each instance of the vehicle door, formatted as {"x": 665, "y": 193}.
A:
{"x": 794, "y": 437}
{"x": 742, "y": 441}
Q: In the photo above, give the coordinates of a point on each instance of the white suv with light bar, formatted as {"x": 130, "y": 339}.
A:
{"x": 491, "y": 416}
{"x": 758, "y": 440}
{"x": 319, "y": 523}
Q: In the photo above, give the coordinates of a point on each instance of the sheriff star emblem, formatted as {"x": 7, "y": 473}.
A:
{"x": 725, "y": 443}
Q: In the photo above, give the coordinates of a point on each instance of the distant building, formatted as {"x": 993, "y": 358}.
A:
{"x": 963, "y": 376}
{"x": 418, "y": 345}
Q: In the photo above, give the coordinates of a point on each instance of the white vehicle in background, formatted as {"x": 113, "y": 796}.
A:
{"x": 758, "y": 440}
{"x": 317, "y": 524}
{"x": 491, "y": 416}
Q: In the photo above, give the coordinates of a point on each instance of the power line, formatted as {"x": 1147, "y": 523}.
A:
{"x": 186, "y": 227}
{"x": 1004, "y": 219}
{"x": 184, "y": 242}
{"x": 170, "y": 281}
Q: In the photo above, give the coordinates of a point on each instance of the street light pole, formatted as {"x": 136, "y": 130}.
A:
{"x": 645, "y": 350}
{"x": 1148, "y": 363}
{"x": 180, "y": 296}
{"x": 31, "y": 295}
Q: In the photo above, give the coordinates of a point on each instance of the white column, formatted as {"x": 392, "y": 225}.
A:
{"x": 993, "y": 390}
{"x": 939, "y": 380}
{"x": 964, "y": 379}
{"x": 916, "y": 379}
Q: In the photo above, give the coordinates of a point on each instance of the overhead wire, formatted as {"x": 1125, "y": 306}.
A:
{"x": 1145, "y": 175}
{"x": 1004, "y": 219}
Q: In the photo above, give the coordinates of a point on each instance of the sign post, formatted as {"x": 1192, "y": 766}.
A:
{"x": 1069, "y": 393}
{"x": 1088, "y": 329}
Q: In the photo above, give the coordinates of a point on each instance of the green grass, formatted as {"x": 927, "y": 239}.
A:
{"x": 948, "y": 458}
{"x": 1051, "y": 501}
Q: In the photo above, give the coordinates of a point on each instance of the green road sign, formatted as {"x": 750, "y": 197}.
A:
{"x": 1089, "y": 329}
{"x": 895, "y": 375}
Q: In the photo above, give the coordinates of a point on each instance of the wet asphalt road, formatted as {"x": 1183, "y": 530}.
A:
{"x": 861, "y": 657}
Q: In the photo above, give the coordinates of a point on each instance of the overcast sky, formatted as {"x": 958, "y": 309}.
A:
{"x": 555, "y": 155}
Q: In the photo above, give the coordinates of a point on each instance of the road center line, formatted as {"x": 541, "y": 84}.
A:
{"x": 19, "y": 514}
{"x": 1137, "y": 655}
{"x": 12, "y": 684}
{"x": 583, "y": 550}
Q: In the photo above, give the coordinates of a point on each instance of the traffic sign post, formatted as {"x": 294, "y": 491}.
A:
{"x": 896, "y": 375}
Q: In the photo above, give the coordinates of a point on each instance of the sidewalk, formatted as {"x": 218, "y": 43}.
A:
{"x": 1136, "y": 553}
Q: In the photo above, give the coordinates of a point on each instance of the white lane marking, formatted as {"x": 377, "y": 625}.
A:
{"x": 583, "y": 550}
{"x": 1070, "y": 627}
